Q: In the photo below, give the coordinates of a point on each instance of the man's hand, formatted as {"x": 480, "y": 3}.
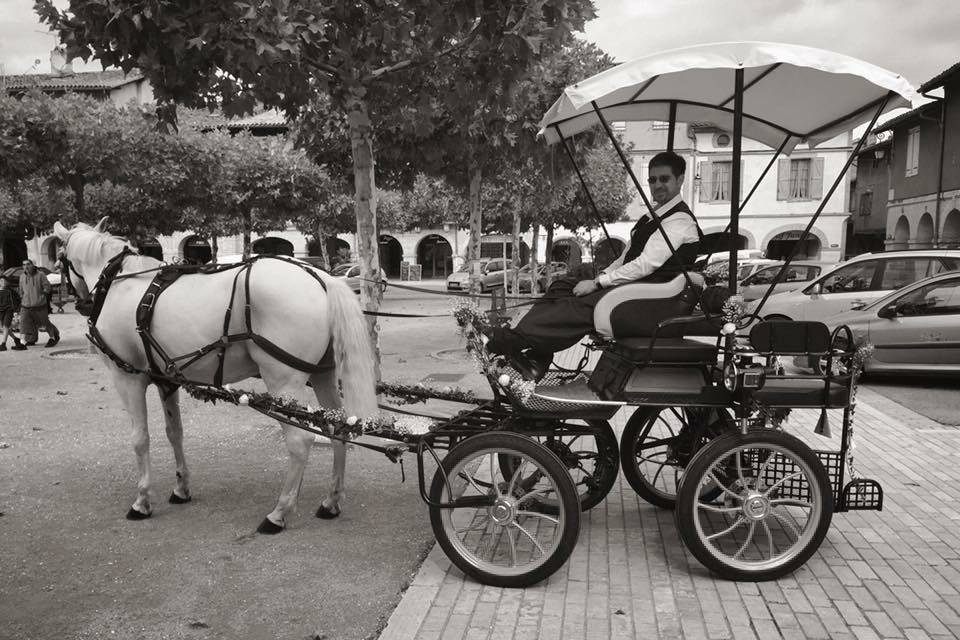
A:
{"x": 585, "y": 287}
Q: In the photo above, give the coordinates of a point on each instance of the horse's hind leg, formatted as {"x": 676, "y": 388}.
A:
{"x": 171, "y": 417}
{"x": 133, "y": 393}
{"x": 298, "y": 445}
{"x": 325, "y": 388}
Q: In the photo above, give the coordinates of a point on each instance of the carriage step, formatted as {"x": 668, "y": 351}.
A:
{"x": 862, "y": 494}
{"x": 573, "y": 393}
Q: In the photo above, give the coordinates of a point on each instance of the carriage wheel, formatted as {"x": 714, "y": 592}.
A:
{"x": 509, "y": 543}
{"x": 590, "y": 454}
{"x": 657, "y": 444}
{"x": 774, "y": 511}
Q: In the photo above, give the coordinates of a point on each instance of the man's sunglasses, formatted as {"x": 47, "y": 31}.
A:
{"x": 662, "y": 180}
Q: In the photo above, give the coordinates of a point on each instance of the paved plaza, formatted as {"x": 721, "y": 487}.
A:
{"x": 888, "y": 574}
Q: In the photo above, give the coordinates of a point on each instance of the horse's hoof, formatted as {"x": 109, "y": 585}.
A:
{"x": 327, "y": 514}
{"x": 133, "y": 514}
{"x": 269, "y": 527}
{"x": 175, "y": 499}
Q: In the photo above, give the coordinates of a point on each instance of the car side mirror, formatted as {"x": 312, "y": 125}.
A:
{"x": 816, "y": 289}
{"x": 889, "y": 311}
{"x": 858, "y": 305}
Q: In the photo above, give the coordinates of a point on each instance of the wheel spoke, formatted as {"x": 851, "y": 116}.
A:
{"x": 537, "y": 514}
{"x": 477, "y": 527}
{"x": 657, "y": 474}
{"x": 532, "y": 539}
{"x": 740, "y": 520}
{"x": 763, "y": 469}
{"x": 716, "y": 509}
{"x": 790, "y": 502}
{"x": 786, "y": 522}
{"x": 655, "y": 443}
{"x": 516, "y": 474}
{"x": 739, "y": 459}
{"x": 533, "y": 493}
{"x": 473, "y": 482}
{"x": 493, "y": 475}
{"x": 513, "y": 548}
{"x": 746, "y": 543}
{"x": 723, "y": 488}
{"x": 779, "y": 483}
{"x": 766, "y": 528}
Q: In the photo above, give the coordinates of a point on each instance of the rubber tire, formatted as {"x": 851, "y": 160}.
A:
{"x": 606, "y": 440}
{"x": 628, "y": 461}
{"x": 510, "y": 443}
{"x": 686, "y": 501}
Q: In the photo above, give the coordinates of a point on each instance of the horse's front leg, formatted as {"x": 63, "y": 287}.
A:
{"x": 325, "y": 389}
{"x": 174, "y": 425}
{"x": 133, "y": 394}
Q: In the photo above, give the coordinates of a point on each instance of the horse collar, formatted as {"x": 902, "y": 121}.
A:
{"x": 114, "y": 265}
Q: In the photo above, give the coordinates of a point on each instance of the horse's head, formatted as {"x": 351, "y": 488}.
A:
{"x": 80, "y": 255}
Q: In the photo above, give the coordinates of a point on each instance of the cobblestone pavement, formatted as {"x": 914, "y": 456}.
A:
{"x": 888, "y": 574}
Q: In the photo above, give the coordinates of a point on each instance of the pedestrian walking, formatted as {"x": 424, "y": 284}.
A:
{"x": 34, "y": 306}
{"x": 9, "y": 303}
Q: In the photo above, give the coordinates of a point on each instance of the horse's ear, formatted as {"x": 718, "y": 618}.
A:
{"x": 102, "y": 224}
{"x": 60, "y": 231}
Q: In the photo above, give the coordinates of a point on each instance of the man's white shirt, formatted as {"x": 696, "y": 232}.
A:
{"x": 681, "y": 228}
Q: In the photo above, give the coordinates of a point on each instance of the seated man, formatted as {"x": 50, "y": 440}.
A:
{"x": 556, "y": 323}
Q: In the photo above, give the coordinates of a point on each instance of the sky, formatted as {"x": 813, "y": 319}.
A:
{"x": 915, "y": 38}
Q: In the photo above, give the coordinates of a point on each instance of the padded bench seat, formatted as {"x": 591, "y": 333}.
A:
{"x": 672, "y": 350}
{"x": 800, "y": 392}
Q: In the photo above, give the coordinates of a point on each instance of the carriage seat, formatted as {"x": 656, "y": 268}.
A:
{"x": 635, "y": 309}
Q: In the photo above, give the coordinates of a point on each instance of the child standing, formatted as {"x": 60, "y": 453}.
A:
{"x": 8, "y": 305}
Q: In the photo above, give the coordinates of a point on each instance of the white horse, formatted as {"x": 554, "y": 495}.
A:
{"x": 289, "y": 308}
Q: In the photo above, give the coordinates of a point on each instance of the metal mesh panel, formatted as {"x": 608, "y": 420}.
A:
{"x": 781, "y": 469}
{"x": 861, "y": 494}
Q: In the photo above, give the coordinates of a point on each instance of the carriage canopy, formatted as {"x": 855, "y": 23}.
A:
{"x": 808, "y": 94}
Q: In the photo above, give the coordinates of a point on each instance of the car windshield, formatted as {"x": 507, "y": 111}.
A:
{"x": 341, "y": 270}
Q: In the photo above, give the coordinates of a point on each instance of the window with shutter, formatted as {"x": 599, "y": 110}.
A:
{"x": 721, "y": 181}
{"x": 706, "y": 181}
{"x": 816, "y": 179}
{"x": 800, "y": 179}
{"x": 913, "y": 152}
{"x": 783, "y": 179}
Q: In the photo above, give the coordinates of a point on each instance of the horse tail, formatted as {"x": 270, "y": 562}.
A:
{"x": 352, "y": 350}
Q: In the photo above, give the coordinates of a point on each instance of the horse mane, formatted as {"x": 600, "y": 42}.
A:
{"x": 94, "y": 246}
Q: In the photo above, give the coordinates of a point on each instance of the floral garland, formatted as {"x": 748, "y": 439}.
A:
{"x": 734, "y": 310}
{"x": 409, "y": 394}
{"x": 863, "y": 353}
{"x": 472, "y": 322}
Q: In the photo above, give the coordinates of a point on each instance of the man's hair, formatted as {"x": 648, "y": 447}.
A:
{"x": 670, "y": 159}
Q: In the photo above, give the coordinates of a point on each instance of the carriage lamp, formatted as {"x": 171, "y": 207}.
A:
{"x": 734, "y": 378}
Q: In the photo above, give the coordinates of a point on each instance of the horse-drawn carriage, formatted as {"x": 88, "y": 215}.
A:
{"x": 703, "y": 376}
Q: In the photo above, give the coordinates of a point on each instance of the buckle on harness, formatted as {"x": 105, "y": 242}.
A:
{"x": 153, "y": 298}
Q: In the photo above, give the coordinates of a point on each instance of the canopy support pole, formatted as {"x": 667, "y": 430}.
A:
{"x": 673, "y": 124}
{"x": 576, "y": 167}
{"x": 735, "y": 177}
{"x": 823, "y": 203}
{"x": 636, "y": 183}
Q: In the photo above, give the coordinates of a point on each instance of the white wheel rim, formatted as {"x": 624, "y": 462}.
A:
{"x": 508, "y": 538}
{"x": 768, "y": 512}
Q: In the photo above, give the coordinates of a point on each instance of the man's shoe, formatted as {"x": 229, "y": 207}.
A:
{"x": 19, "y": 347}
{"x": 52, "y": 342}
{"x": 531, "y": 364}
{"x": 31, "y": 343}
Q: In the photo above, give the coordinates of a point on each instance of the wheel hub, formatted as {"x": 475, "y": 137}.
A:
{"x": 755, "y": 506}
{"x": 502, "y": 512}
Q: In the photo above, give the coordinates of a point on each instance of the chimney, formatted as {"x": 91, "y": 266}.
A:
{"x": 59, "y": 65}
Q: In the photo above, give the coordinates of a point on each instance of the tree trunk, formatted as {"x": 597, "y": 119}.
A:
{"x": 324, "y": 254}
{"x": 247, "y": 224}
{"x": 535, "y": 246}
{"x": 365, "y": 206}
{"x": 515, "y": 273}
{"x": 76, "y": 185}
{"x": 214, "y": 247}
{"x": 473, "y": 253}
{"x": 549, "y": 251}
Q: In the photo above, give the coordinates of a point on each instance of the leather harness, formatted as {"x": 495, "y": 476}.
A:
{"x": 168, "y": 373}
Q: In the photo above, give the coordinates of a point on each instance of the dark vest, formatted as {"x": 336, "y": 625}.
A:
{"x": 684, "y": 255}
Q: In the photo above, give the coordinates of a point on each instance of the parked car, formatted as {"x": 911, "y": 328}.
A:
{"x": 704, "y": 261}
{"x": 493, "y": 274}
{"x": 915, "y": 329}
{"x": 557, "y": 269}
{"x": 856, "y": 283}
{"x": 716, "y": 273}
{"x": 797, "y": 275}
{"x": 460, "y": 280}
{"x": 350, "y": 272}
